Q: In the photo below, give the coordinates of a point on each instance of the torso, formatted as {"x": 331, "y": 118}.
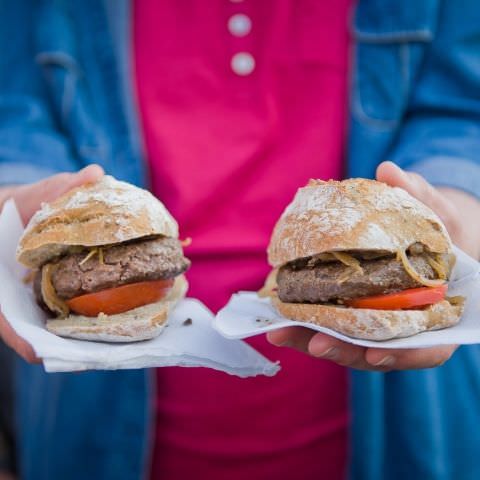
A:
{"x": 228, "y": 147}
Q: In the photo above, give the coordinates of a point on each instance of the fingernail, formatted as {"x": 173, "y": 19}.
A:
{"x": 91, "y": 167}
{"x": 329, "y": 353}
{"x": 387, "y": 361}
{"x": 400, "y": 170}
{"x": 285, "y": 343}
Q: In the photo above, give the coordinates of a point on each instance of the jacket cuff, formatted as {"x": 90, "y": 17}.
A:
{"x": 18, "y": 173}
{"x": 451, "y": 172}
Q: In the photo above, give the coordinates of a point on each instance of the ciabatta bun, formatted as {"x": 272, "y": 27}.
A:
{"x": 358, "y": 215}
{"x": 141, "y": 323}
{"x": 372, "y": 324}
{"x": 102, "y": 213}
{"x": 355, "y": 214}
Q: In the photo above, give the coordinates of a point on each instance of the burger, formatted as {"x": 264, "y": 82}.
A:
{"x": 107, "y": 262}
{"x": 362, "y": 258}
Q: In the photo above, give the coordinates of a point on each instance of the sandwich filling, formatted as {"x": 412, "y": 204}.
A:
{"x": 341, "y": 278}
{"x": 112, "y": 278}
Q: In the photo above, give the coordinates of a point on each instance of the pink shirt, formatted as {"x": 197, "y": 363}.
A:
{"x": 242, "y": 103}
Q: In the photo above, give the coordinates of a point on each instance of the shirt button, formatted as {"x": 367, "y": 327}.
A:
{"x": 243, "y": 63}
{"x": 239, "y": 25}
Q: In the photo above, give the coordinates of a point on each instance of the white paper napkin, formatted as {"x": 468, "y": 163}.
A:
{"x": 247, "y": 315}
{"x": 183, "y": 343}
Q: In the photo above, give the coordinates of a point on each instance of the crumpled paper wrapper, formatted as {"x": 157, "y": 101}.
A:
{"x": 247, "y": 315}
{"x": 187, "y": 343}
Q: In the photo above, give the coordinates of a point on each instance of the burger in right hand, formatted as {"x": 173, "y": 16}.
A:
{"x": 362, "y": 258}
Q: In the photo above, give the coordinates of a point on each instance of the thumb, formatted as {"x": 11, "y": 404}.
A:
{"x": 418, "y": 187}
{"x": 393, "y": 175}
{"x": 30, "y": 197}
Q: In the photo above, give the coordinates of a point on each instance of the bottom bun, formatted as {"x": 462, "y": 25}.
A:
{"x": 373, "y": 324}
{"x": 141, "y": 323}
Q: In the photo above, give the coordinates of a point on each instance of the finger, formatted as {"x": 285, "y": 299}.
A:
{"x": 409, "y": 359}
{"x": 294, "y": 337}
{"x": 419, "y": 188}
{"x": 343, "y": 353}
{"x": 29, "y": 197}
{"x": 16, "y": 343}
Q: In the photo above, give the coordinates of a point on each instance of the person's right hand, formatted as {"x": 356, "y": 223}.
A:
{"x": 28, "y": 199}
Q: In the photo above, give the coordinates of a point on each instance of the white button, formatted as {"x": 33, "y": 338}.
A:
{"x": 239, "y": 25}
{"x": 243, "y": 63}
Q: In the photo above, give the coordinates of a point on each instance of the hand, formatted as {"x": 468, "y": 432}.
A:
{"x": 6, "y": 476}
{"x": 459, "y": 212}
{"x": 29, "y": 199}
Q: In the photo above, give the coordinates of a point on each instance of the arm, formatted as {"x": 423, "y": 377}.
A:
{"x": 440, "y": 142}
{"x": 440, "y": 135}
{"x": 32, "y": 145}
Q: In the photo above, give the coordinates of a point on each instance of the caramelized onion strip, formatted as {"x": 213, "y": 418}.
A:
{"x": 439, "y": 266}
{"x": 402, "y": 256}
{"x": 348, "y": 260}
{"x": 50, "y": 297}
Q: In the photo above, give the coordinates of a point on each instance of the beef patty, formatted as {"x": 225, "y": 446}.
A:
{"x": 334, "y": 282}
{"x": 141, "y": 260}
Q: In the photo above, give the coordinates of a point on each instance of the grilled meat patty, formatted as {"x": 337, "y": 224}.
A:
{"x": 151, "y": 259}
{"x": 333, "y": 282}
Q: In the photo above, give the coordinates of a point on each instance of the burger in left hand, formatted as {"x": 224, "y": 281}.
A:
{"x": 107, "y": 260}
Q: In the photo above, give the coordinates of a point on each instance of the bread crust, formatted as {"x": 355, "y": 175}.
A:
{"x": 141, "y": 323}
{"x": 370, "y": 324}
{"x": 102, "y": 213}
{"x": 354, "y": 214}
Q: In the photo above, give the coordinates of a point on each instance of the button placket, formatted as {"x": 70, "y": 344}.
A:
{"x": 239, "y": 25}
{"x": 243, "y": 63}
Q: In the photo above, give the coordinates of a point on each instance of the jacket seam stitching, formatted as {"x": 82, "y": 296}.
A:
{"x": 356, "y": 104}
{"x": 394, "y": 36}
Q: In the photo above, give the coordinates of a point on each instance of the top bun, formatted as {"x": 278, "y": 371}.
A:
{"x": 101, "y": 213}
{"x": 355, "y": 214}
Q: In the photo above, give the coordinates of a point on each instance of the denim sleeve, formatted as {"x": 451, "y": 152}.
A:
{"x": 32, "y": 145}
{"x": 440, "y": 138}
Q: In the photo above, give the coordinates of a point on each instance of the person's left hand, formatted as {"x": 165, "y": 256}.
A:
{"x": 459, "y": 212}
{"x": 28, "y": 199}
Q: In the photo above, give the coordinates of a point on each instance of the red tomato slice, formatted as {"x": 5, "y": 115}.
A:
{"x": 411, "y": 298}
{"x": 120, "y": 299}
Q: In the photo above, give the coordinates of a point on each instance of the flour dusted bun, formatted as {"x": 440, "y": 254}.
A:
{"x": 141, "y": 323}
{"x": 373, "y": 324}
{"x": 105, "y": 247}
{"x": 338, "y": 242}
{"x": 355, "y": 214}
{"x": 106, "y": 212}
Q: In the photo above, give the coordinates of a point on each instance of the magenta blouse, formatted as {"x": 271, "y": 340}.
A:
{"x": 242, "y": 102}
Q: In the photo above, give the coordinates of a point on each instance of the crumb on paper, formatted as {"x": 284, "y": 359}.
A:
{"x": 187, "y": 322}
{"x": 263, "y": 321}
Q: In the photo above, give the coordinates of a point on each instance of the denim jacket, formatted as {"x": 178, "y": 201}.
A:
{"x": 67, "y": 99}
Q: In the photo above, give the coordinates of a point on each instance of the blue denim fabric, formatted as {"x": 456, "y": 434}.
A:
{"x": 67, "y": 99}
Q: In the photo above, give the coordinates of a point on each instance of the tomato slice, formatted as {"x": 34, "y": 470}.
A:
{"x": 411, "y": 298}
{"x": 120, "y": 299}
